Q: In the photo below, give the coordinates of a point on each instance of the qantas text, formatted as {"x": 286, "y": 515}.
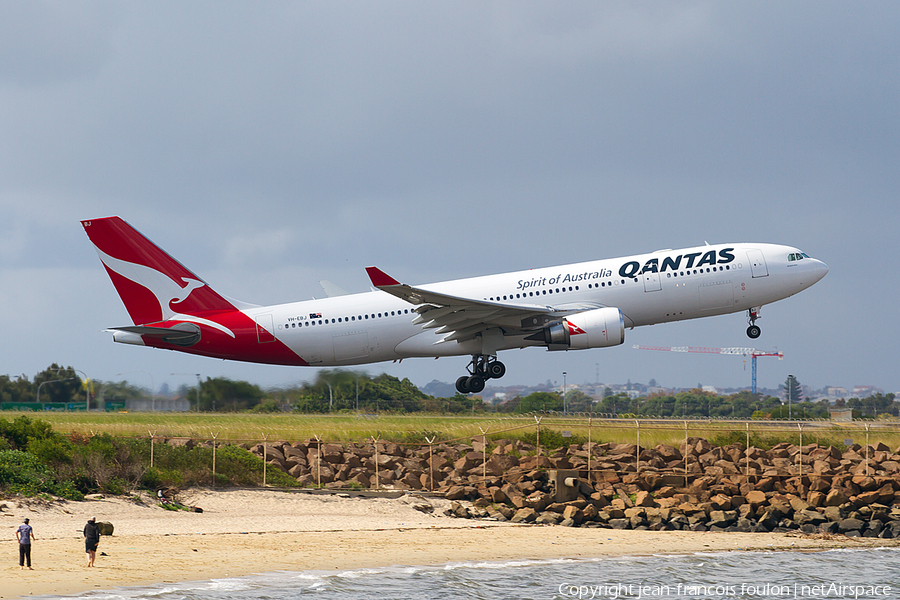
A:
{"x": 673, "y": 263}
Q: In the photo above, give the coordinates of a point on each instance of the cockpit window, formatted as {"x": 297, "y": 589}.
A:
{"x": 797, "y": 256}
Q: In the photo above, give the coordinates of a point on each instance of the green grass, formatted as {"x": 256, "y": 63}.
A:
{"x": 419, "y": 429}
{"x": 246, "y": 427}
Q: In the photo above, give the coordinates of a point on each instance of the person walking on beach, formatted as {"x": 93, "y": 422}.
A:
{"x": 91, "y": 539}
{"x": 25, "y": 534}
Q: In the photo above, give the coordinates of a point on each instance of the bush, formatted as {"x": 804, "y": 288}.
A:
{"x": 52, "y": 451}
{"x": 22, "y": 429}
{"x": 34, "y": 459}
{"x": 102, "y": 463}
{"x": 266, "y": 406}
{"x": 552, "y": 439}
{"x": 242, "y": 467}
{"x": 155, "y": 479}
{"x": 22, "y": 473}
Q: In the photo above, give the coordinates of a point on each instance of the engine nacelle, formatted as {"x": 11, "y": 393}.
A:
{"x": 598, "y": 328}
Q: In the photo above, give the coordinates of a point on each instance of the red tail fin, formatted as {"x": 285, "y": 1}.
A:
{"x": 153, "y": 285}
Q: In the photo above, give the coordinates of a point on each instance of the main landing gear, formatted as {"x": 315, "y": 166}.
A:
{"x": 753, "y": 331}
{"x": 480, "y": 370}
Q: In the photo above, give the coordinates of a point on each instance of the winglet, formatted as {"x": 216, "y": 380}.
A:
{"x": 380, "y": 278}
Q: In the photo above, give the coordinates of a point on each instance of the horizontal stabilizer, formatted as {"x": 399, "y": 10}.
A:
{"x": 182, "y": 334}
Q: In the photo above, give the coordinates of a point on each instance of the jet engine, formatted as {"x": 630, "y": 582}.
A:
{"x": 598, "y": 328}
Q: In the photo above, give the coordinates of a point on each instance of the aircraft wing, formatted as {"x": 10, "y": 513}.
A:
{"x": 462, "y": 318}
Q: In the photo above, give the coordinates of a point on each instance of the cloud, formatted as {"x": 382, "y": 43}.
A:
{"x": 269, "y": 146}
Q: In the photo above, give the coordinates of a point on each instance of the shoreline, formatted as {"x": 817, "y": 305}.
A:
{"x": 247, "y": 532}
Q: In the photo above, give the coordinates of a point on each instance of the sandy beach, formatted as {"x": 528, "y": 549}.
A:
{"x": 242, "y": 532}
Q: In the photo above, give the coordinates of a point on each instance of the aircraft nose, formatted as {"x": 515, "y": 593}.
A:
{"x": 820, "y": 270}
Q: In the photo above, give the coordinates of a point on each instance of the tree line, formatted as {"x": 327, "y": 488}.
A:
{"x": 339, "y": 390}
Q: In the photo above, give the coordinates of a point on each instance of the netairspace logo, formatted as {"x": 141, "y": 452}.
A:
{"x": 614, "y": 591}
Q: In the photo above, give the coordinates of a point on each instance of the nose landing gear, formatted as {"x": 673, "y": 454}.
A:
{"x": 752, "y": 315}
{"x": 480, "y": 369}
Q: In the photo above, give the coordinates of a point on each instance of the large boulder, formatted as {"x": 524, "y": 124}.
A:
{"x": 548, "y": 518}
{"x": 756, "y": 498}
{"x": 105, "y": 527}
{"x": 524, "y": 515}
{"x": 835, "y": 497}
{"x": 644, "y": 499}
{"x": 848, "y": 525}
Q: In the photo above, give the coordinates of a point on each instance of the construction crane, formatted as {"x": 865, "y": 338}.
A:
{"x": 752, "y": 352}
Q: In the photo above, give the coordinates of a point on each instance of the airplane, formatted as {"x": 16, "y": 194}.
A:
{"x": 568, "y": 307}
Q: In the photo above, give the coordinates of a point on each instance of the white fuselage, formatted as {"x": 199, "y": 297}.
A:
{"x": 659, "y": 287}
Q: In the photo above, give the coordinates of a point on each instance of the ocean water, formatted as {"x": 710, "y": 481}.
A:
{"x": 846, "y": 574}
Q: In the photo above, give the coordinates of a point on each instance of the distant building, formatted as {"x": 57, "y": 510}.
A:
{"x": 496, "y": 398}
{"x": 157, "y": 405}
{"x": 841, "y": 414}
{"x": 864, "y": 391}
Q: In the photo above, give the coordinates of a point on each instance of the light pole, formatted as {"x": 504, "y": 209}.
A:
{"x": 87, "y": 390}
{"x": 197, "y": 375}
{"x": 790, "y": 392}
{"x": 43, "y": 383}
{"x": 565, "y": 399}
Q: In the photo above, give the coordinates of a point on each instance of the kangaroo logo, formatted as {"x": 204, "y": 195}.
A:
{"x": 164, "y": 288}
{"x": 574, "y": 329}
{"x": 192, "y": 284}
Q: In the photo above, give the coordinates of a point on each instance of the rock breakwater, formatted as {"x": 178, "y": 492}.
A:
{"x": 697, "y": 486}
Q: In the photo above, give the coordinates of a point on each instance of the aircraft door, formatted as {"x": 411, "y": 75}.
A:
{"x": 758, "y": 266}
{"x": 264, "y": 328}
{"x": 651, "y": 282}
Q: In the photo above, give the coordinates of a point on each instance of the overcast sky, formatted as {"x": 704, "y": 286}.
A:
{"x": 271, "y": 145}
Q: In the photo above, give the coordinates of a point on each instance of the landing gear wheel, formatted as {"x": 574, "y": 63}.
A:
{"x": 753, "y": 332}
{"x": 481, "y": 368}
{"x": 475, "y": 384}
{"x": 496, "y": 370}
